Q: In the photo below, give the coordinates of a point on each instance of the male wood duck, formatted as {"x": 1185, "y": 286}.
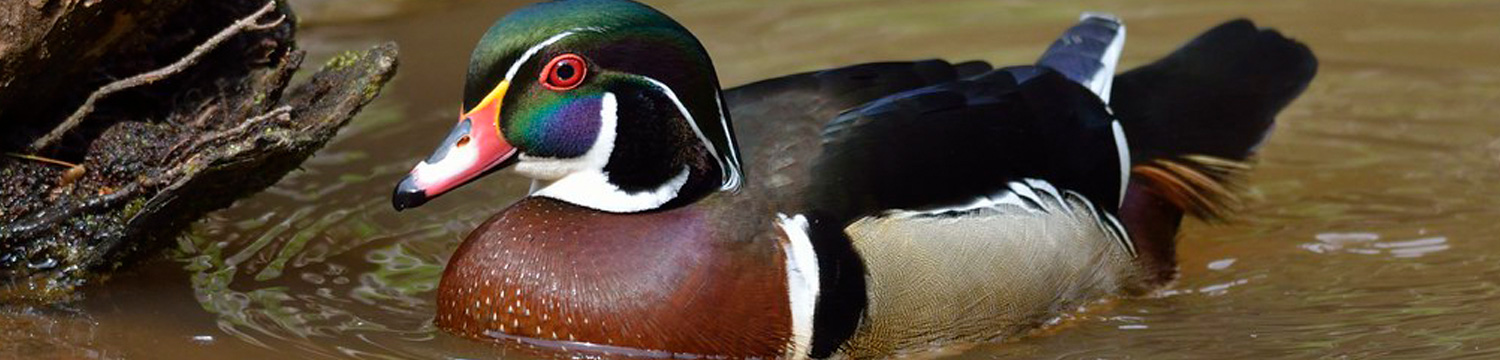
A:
{"x": 869, "y": 210}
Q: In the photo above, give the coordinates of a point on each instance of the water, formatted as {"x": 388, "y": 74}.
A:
{"x": 1371, "y": 234}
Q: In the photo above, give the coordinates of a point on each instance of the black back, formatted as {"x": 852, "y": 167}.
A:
{"x": 947, "y": 144}
{"x": 778, "y": 121}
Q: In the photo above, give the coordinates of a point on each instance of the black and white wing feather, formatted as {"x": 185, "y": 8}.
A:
{"x": 1088, "y": 52}
{"x": 945, "y": 145}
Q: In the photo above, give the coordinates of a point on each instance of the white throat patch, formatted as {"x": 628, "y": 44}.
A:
{"x": 593, "y": 190}
{"x": 582, "y": 181}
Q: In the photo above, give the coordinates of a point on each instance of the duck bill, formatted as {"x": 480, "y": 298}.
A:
{"x": 473, "y": 149}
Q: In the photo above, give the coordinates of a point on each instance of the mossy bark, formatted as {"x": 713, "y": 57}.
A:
{"x": 157, "y": 157}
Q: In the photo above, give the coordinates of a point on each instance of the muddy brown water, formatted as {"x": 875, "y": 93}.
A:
{"x": 1371, "y": 234}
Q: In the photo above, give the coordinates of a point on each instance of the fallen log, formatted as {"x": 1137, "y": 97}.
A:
{"x": 124, "y": 122}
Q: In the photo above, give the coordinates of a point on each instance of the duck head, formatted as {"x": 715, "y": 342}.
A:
{"x": 612, "y": 103}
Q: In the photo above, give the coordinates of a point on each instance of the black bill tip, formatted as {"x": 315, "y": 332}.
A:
{"x": 408, "y": 195}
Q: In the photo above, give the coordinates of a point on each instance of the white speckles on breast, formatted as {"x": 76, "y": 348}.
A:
{"x": 529, "y": 277}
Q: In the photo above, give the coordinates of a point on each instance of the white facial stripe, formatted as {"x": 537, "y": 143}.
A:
{"x": 582, "y": 181}
{"x": 525, "y": 56}
{"x": 543, "y": 168}
{"x": 731, "y": 172}
{"x": 734, "y": 153}
{"x": 802, "y": 282}
{"x": 553, "y": 169}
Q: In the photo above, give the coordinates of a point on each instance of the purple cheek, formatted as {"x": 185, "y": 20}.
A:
{"x": 571, "y": 129}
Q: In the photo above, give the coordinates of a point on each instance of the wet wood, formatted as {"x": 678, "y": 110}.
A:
{"x": 166, "y": 110}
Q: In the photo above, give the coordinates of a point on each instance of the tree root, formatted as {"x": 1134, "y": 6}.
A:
{"x": 250, "y": 23}
{"x": 74, "y": 172}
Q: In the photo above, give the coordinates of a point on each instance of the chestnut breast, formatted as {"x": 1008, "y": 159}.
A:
{"x": 678, "y": 280}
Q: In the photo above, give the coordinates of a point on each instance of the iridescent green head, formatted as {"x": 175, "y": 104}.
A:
{"x": 614, "y": 102}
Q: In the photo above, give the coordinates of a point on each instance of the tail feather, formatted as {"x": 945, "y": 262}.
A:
{"x": 1194, "y": 119}
{"x": 1087, "y": 52}
{"x": 1218, "y": 95}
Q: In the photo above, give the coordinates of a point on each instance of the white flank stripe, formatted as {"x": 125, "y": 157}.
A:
{"x": 1107, "y": 222}
{"x": 1050, "y": 190}
{"x": 802, "y": 282}
{"x": 1032, "y": 189}
{"x": 1025, "y": 191}
{"x": 1006, "y": 197}
{"x": 1119, "y": 230}
{"x": 1123, "y": 148}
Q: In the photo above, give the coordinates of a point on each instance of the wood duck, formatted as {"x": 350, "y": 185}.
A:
{"x": 869, "y": 210}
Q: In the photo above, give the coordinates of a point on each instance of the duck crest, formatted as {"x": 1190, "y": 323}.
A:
{"x": 550, "y": 270}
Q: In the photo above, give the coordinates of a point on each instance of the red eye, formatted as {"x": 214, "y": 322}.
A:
{"x": 564, "y": 72}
